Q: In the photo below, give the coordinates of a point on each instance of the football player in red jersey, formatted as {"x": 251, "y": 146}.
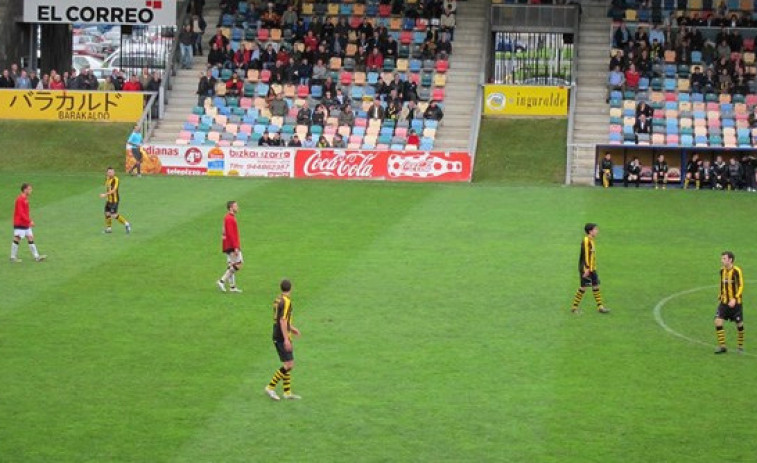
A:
{"x": 22, "y": 225}
{"x": 230, "y": 246}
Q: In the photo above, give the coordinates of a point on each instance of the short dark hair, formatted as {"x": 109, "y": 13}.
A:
{"x": 109, "y": 168}
{"x": 229, "y": 204}
{"x": 589, "y": 227}
{"x": 24, "y": 186}
{"x": 729, "y": 254}
{"x": 285, "y": 285}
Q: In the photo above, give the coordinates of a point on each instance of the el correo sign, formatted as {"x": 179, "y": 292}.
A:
{"x": 124, "y": 12}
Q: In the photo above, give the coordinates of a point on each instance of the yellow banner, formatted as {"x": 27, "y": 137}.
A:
{"x": 523, "y": 100}
{"x": 64, "y": 105}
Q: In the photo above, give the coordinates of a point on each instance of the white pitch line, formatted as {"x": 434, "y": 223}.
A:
{"x": 657, "y": 311}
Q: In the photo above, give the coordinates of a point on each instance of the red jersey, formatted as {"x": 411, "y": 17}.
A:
{"x": 230, "y": 233}
{"x": 21, "y": 217}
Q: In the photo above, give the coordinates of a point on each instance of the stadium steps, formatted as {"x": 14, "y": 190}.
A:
{"x": 590, "y": 117}
{"x": 463, "y": 75}
{"x": 183, "y": 92}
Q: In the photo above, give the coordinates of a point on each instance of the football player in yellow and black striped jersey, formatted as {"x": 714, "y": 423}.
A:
{"x": 587, "y": 270}
{"x": 112, "y": 198}
{"x": 282, "y": 340}
{"x": 729, "y": 308}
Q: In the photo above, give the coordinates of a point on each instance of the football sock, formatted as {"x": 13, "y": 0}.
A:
{"x": 686, "y": 184}
{"x": 740, "y": 336}
{"x": 33, "y": 249}
{"x": 721, "y": 335}
{"x": 121, "y": 219}
{"x": 577, "y": 298}
{"x": 233, "y": 280}
{"x": 698, "y": 184}
{"x": 288, "y": 382}
{"x": 597, "y": 296}
{"x": 14, "y": 250}
{"x": 108, "y": 222}
{"x": 278, "y": 376}
{"x": 228, "y": 275}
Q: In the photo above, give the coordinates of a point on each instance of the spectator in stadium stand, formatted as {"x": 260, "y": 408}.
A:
{"x": 376, "y": 111}
{"x": 341, "y": 100}
{"x": 683, "y": 53}
{"x": 724, "y": 81}
{"x": 633, "y": 172}
{"x": 642, "y": 125}
{"x": 33, "y": 79}
{"x": 443, "y": 47}
{"x": 268, "y": 57}
{"x": 329, "y": 85}
{"x": 107, "y": 85}
{"x": 228, "y": 57}
{"x": 697, "y": 80}
{"x": 6, "y": 81}
{"x": 433, "y": 112}
{"x": 304, "y": 72}
{"x": 361, "y": 58}
{"x": 632, "y": 78}
{"x": 338, "y": 142}
{"x": 447, "y": 22}
{"x": 89, "y": 81}
{"x": 615, "y": 81}
{"x": 753, "y": 118}
{"x": 44, "y": 83}
{"x": 132, "y": 85}
{"x": 657, "y": 34}
{"x": 319, "y": 73}
{"x": 215, "y": 56}
{"x": 23, "y": 81}
{"x": 295, "y": 142}
{"x": 198, "y": 27}
{"x": 319, "y": 115}
{"x": 304, "y": 114}
{"x": 144, "y": 77}
{"x": 186, "y": 41}
{"x": 153, "y": 85}
{"x": 234, "y": 86}
{"x": 242, "y": 59}
{"x": 289, "y": 18}
{"x": 375, "y": 61}
{"x": 741, "y": 87}
{"x": 278, "y": 73}
{"x": 347, "y": 117}
{"x": 409, "y": 112}
{"x": 621, "y": 36}
{"x": 413, "y": 139}
{"x": 311, "y": 43}
{"x": 428, "y": 49}
{"x": 276, "y": 139}
{"x": 390, "y": 48}
{"x": 57, "y": 83}
{"x": 719, "y": 173}
{"x": 329, "y": 101}
{"x": 15, "y": 71}
{"x": 616, "y": 59}
{"x": 308, "y": 142}
{"x": 206, "y": 87}
{"x": 279, "y": 106}
{"x": 322, "y": 143}
{"x": 645, "y": 109}
{"x": 393, "y": 110}
{"x": 264, "y": 140}
{"x": 219, "y": 40}
{"x": 748, "y": 165}
{"x": 270, "y": 19}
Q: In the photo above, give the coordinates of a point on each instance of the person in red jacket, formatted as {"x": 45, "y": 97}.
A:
{"x": 132, "y": 85}
{"x": 22, "y": 225}
{"x": 375, "y": 61}
{"x": 230, "y": 246}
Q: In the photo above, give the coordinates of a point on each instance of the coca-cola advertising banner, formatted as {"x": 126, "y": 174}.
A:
{"x": 402, "y": 166}
{"x": 418, "y": 166}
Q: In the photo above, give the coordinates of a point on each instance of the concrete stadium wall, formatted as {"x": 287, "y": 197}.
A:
{"x": 14, "y": 36}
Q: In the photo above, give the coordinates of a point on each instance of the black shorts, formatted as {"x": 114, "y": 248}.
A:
{"x": 111, "y": 208}
{"x": 137, "y": 153}
{"x": 733, "y": 314}
{"x": 591, "y": 280}
{"x": 284, "y": 355}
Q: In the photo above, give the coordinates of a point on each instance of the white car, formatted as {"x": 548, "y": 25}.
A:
{"x": 85, "y": 61}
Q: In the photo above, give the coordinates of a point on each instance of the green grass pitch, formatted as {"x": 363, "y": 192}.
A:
{"x": 435, "y": 325}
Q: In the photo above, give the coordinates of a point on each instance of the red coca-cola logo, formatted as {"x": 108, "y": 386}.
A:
{"x": 193, "y": 156}
{"x": 343, "y": 164}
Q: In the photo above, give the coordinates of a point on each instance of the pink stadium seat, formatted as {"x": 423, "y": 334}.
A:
{"x": 751, "y": 99}
{"x": 245, "y": 103}
{"x": 673, "y": 139}
{"x": 356, "y": 139}
{"x": 245, "y": 128}
{"x": 185, "y": 135}
{"x": 265, "y": 75}
{"x": 671, "y": 96}
{"x": 406, "y": 37}
{"x": 263, "y": 34}
{"x": 385, "y": 10}
{"x": 224, "y": 143}
{"x": 442, "y": 65}
{"x": 193, "y": 119}
{"x": 302, "y": 91}
{"x": 181, "y": 141}
{"x": 345, "y": 78}
{"x": 438, "y": 94}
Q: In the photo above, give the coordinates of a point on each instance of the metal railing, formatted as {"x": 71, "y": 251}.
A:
{"x": 149, "y": 115}
{"x": 172, "y": 58}
{"x": 569, "y": 152}
{"x": 479, "y": 99}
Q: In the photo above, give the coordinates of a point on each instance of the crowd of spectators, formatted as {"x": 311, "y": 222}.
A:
{"x": 301, "y": 51}
{"x": 85, "y": 80}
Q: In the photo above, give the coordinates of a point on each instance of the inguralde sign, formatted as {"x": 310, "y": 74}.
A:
{"x": 125, "y": 12}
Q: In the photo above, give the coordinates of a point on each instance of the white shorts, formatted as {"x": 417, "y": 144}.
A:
{"x": 23, "y": 233}
{"x": 231, "y": 260}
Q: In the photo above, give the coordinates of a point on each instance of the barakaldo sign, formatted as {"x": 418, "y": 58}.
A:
{"x": 125, "y": 12}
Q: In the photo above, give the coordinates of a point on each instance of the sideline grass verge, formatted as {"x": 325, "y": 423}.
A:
{"x": 521, "y": 151}
{"x": 66, "y": 147}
